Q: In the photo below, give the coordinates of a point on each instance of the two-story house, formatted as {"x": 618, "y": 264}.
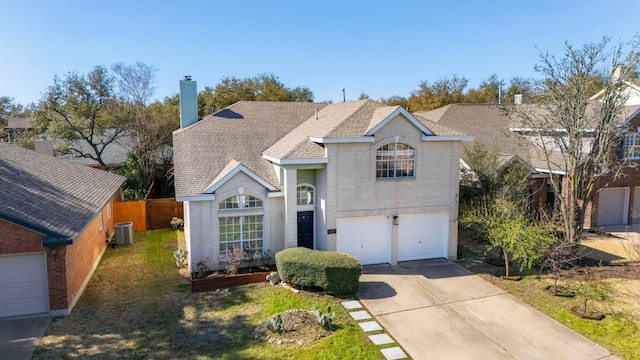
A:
{"x": 362, "y": 178}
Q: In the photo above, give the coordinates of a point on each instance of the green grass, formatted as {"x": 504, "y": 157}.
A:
{"x": 137, "y": 306}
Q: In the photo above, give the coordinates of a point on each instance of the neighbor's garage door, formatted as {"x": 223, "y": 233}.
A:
{"x": 613, "y": 205}
{"x": 23, "y": 284}
{"x": 422, "y": 236}
{"x": 367, "y": 238}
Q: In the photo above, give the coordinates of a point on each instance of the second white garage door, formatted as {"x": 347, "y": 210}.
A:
{"x": 23, "y": 284}
{"x": 613, "y": 205}
{"x": 367, "y": 238}
{"x": 422, "y": 236}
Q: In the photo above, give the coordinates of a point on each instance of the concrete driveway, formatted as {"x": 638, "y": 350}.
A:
{"x": 19, "y": 336}
{"x": 439, "y": 310}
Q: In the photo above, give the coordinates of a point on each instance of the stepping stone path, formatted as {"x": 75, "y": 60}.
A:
{"x": 381, "y": 338}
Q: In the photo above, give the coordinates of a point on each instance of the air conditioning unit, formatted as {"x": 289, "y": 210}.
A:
{"x": 124, "y": 233}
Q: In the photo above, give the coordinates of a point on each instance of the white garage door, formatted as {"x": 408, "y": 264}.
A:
{"x": 23, "y": 284}
{"x": 613, "y": 205}
{"x": 367, "y": 238}
{"x": 422, "y": 236}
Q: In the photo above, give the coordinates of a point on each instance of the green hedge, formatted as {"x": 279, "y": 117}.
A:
{"x": 336, "y": 273}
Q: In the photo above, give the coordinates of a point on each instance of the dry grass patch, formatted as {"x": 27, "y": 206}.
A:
{"x": 139, "y": 306}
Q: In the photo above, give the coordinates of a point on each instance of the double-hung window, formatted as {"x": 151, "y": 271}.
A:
{"x": 631, "y": 146}
{"x": 241, "y": 226}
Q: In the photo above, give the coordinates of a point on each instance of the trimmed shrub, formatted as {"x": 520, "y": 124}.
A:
{"x": 336, "y": 273}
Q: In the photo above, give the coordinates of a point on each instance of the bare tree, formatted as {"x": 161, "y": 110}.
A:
{"x": 577, "y": 136}
{"x": 148, "y": 128}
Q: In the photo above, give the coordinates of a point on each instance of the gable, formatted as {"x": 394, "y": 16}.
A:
{"x": 230, "y": 171}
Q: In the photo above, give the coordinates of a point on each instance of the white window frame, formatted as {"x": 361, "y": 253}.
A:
{"x": 243, "y": 221}
{"x": 394, "y": 161}
{"x": 307, "y": 205}
{"x": 241, "y": 214}
{"x": 631, "y": 147}
{"x": 242, "y": 201}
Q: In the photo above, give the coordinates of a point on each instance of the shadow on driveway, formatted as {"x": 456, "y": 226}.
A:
{"x": 19, "y": 336}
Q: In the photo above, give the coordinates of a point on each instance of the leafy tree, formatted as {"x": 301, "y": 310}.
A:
{"x": 396, "y": 100}
{"x": 565, "y": 102}
{"x": 498, "y": 209}
{"x": 6, "y": 106}
{"x": 263, "y": 87}
{"x": 83, "y": 109}
{"x": 134, "y": 187}
{"x": 489, "y": 91}
{"x": 440, "y": 93}
{"x": 503, "y": 224}
{"x": 364, "y": 96}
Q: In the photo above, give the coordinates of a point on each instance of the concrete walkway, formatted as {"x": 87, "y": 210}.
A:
{"x": 439, "y": 310}
{"x": 19, "y": 336}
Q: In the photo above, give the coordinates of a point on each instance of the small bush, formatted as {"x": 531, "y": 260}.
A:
{"x": 336, "y": 273}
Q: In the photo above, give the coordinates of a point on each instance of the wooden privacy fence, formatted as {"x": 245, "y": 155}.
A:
{"x": 161, "y": 211}
{"x": 148, "y": 214}
{"x": 131, "y": 211}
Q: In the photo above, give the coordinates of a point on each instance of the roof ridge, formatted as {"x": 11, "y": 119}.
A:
{"x": 364, "y": 102}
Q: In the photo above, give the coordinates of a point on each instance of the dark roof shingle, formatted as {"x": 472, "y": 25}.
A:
{"x": 51, "y": 193}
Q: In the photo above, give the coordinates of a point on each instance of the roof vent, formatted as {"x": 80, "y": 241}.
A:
{"x": 187, "y": 77}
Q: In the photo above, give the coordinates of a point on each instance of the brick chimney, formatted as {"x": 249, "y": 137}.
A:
{"x": 188, "y": 102}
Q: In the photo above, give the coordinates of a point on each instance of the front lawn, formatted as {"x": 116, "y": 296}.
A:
{"x": 619, "y": 331}
{"x": 137, "y": 305}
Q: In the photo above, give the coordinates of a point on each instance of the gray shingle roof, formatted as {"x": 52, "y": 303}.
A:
{"x": 51, "y": 193}
{"x": 488, "y": 124}
{"x": 242, "y": 131}
{"x": 247, "y": 130}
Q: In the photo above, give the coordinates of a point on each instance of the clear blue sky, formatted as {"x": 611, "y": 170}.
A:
{"x": 381, "y": 47}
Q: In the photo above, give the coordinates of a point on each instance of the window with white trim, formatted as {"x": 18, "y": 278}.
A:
{"x": 305, "y": 195}
{"x": 395, "y": 160}
{"x": 631, "y": 147}
{"x": 240, "y": 233}
{"x": 240, "y": 202}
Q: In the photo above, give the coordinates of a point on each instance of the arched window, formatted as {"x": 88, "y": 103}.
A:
{"x": 395, "y": 160}
{"x": 240, "y": 202}
{"x": 305, "y": 195}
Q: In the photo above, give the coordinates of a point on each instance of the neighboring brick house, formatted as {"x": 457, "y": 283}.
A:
{"x": 55, "y": 217}
{"x": 614, "y": 203}
{"x": 359, "y": 177}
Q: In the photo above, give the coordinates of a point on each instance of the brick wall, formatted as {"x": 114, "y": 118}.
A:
{"x": 15, "y": 239}
{"x": 83, "y": 256}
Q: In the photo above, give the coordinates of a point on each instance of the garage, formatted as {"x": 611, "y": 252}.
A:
{"x": 613, "y": 206}
{"x": 422, "y": 236}
{"x": 367, "y": 238}
{"x": 23, "y": 284}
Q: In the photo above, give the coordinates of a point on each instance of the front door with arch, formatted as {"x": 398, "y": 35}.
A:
{"x": 306, "y": 205}
{"x": 305, "y": 229}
